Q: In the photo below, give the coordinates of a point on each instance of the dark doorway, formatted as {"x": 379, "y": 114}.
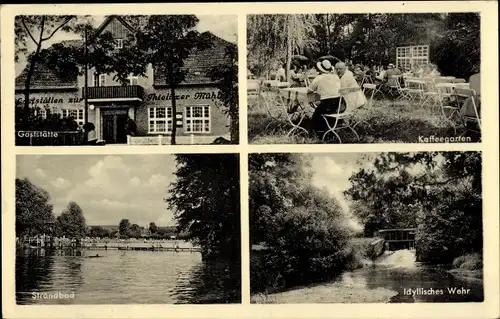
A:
{"x": 114, "y": 126}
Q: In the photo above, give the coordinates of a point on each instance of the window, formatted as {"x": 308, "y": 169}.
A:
{"x": 197, "y": 119}
{"x": 99, "y": 79}
{"x": 76, "y": 114}
{"x": 42, "y": 112}
{"x": 160, "y": 119}
{"x": 119, "y": 44}
{"x": 412, "y": 56}
{"x": 133, "y": 80}
{"x": 102, "y": 79}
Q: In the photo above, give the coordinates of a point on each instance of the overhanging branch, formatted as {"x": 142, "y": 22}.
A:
{"x": 28, "y": 30}
{"x": 57, "y": 29}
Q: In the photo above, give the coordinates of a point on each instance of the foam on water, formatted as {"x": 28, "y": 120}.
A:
{"x": 398, "y": 259}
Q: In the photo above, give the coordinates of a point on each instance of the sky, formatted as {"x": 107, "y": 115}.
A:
{"x": 107, "y": 188}
{"x": 223, "y": 26}
{"x": 332, "y": 172}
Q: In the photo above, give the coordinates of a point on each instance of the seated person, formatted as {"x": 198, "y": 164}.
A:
{"x": 327, "y": 85}
{"x": 380, "y": 77}
{"x": 295, "y": 76}
{"x": 422, "y": 71}
{"x": 281, "y": 74}
{"x": 391, "y": 71}
{"x": 358, "y": 74}
{"x": 433, "y": 71}
{"x": 349, "y": 88}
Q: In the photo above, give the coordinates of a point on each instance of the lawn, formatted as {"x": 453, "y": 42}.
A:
{"x": 385, "y": 121}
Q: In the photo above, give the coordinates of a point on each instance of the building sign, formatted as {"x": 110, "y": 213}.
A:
{"x": 195, "y": 96}
{"x": 50, "y": 100}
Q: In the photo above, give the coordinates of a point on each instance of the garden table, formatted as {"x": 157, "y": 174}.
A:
{"x": 415, "y": 86}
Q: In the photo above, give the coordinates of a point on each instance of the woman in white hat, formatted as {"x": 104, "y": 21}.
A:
{"x": 327, "y": 85}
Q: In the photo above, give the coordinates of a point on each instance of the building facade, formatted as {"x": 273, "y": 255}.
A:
{"x": 140, "y": 112}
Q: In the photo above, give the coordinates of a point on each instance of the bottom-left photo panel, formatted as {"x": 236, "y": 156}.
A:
{"x": 128, "y": 229}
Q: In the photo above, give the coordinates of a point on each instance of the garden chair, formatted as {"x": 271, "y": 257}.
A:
{"x": 370, "y": 87}
{"x": 414, "y": 89}
{"x": 466, "y": 94}
{"x": 295, "y": 113}
{"x": 432, "y": 94}
{"x": 347, "y": 117}
{"x": 394, "y": 85}
{"x": 449, "y": 109}
{"x": 271, "y": 102}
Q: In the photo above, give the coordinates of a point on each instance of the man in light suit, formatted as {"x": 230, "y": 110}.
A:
{"x": 352, "y": 94}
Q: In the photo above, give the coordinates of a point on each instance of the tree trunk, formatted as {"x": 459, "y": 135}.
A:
{"x": 288, "y": 49}
{"x": 327, "y": 35}
{"x": 33, "y": 60}
{"x": 234, "y": 126}
{"x": 174, "y": 113}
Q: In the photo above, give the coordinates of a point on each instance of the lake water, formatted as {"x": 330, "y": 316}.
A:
{"x": 125, "y": 277}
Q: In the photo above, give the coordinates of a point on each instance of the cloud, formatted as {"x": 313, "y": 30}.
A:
{"x": 157, "y": 180}
{"x": 61, "y": 183}
{"x": 40, "y": 173}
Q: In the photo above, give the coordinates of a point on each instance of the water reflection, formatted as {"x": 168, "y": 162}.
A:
{"x": 125, "y": 277}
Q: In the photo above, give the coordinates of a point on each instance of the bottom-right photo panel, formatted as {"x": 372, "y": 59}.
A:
{"x": 366, "y": 227}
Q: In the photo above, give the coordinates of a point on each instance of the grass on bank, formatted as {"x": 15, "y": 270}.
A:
{"x": 385, "y": 121}
{"x": 469, "y": 266}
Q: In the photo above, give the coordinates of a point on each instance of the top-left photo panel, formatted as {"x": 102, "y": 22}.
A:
{"x": 126, "y": 80}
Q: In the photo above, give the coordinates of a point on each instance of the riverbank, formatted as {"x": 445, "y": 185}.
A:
{"x": 334, "y": 292}
{"x": 469, "y": 266}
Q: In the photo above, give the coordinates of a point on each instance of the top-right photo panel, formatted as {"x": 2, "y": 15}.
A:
{"x": 364, "y": 78}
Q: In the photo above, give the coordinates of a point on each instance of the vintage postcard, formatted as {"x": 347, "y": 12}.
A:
{"x": 250, "y": 160}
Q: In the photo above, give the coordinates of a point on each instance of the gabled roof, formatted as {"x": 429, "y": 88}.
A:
{"x": 44, "y": 78}
{"x": 110, "y": 18}
{"x": 200, "y": 62}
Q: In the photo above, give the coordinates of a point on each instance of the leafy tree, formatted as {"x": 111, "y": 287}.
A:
{"x": 458, "y": 49}
{"x": 71, "y": 223}
{"x": 437, "y": 192}
{"x": 301, "y": 225}
{"x": 36, "y": 30}
{"x": 153, "y": 228}
{"x": 124, "y": 228}
{"x": 275, "y": 38}
{"x": 165, "y": 41}
{"x": 34, "y": 213}
{"x": 227, "y": 76}
{"x": 135, "y": 231}
{"x": 205, "y": 199}
{"x": 98, "y": 231}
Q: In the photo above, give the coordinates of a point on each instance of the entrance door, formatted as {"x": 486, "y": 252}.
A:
{"x": 114, "y": 126}
{"x": 109, "y": 128}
